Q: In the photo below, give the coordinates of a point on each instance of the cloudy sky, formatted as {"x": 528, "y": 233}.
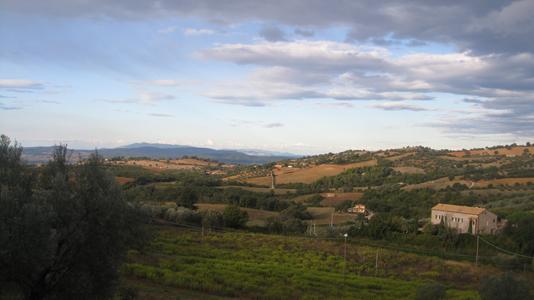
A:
{"x": 292, "y": 75}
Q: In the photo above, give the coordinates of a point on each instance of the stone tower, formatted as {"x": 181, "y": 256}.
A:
{"x": 273, "y": 180}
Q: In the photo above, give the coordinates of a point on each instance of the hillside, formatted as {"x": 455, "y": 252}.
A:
{"x": 156, "y": 151}
{"x": 297, "y": 230}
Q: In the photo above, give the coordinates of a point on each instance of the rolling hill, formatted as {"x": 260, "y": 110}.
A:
{"x": 156, "y": 151}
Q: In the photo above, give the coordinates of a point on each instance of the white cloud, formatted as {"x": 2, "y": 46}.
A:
{"x": 169, "y": 29}
{"x": 196, "y": 31}
{"x": 161, "y": 115}
{"x": 144, "y": 98}
{"x": 165, "y": 82}
{"x": 396, "y": 106}
{"x": 20, "y": 84}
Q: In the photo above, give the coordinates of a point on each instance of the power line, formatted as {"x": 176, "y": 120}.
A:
{"x": 506, "y": 251}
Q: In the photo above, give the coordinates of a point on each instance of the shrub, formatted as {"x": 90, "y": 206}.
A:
{"x": 433, "y": 291}
{"x": 234, "y": 217}
{"x": 504, "y": 287}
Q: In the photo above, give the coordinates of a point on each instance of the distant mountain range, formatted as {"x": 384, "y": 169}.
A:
{"x": 43, "y": 154}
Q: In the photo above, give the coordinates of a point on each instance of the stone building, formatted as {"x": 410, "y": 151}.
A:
{"x": 465, "y": 219}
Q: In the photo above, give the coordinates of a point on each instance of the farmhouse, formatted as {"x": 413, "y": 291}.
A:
{"x": 357, "y": 209}
{"x": 465, "y": 219}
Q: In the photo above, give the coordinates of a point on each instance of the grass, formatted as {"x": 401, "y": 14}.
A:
{"x": 250, "y": 265}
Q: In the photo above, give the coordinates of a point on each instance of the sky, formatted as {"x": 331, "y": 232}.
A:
{"x": 296, "y": 76}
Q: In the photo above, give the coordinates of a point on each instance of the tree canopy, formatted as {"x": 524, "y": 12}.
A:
{"x": 64, "y": 229}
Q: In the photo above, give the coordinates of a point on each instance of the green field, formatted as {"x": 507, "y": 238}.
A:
{"x": 182, "y": 262}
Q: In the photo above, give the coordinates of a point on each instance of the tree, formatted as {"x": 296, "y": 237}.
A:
{"x": 212, "y": 219}
{"x": 188, "y": 197}
{"x": 62, "y": 238}
{"x": 234, "y": 217}
{"x": 433, "y": 291}
{"x": 504, "y": 287}
{"x": 520, "y": 228}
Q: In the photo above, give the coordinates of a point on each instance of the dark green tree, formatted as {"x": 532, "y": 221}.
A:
{"x": 234, "y": 217}
{"x": 188, "y": 197}
{"x": 434, "y": 291}
{"x": 63, "y": 236}
{"x": 504, "y": 287}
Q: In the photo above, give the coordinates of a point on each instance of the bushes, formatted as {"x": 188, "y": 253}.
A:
{"x": 212, "y": 219}
{"x": 234, "y": 217}
{"x": 285, "y": 225}
{"x": 432, "y": 291}
{"x": 504, "y": 287}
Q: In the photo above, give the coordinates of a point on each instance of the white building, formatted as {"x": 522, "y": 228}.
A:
{"x": 462, "y": 218}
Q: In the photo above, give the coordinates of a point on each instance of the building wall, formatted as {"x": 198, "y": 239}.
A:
{"x": 458, "y": 221}
{"x": 487, "y": 221}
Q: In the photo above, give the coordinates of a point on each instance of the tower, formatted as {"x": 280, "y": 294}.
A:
{"x": 273, "y": 180}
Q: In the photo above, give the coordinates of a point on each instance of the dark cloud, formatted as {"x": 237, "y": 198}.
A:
{"x": 304, "y": 32}
{"x": 272, "y": 34}
{"x": 492, "y": 67}
{"x": 480, "y": 25}
{"x": 473, "y": 101}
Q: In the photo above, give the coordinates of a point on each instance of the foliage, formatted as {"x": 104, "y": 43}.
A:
{"x": 65, "y": 235}
{"x": 297, "y": 211}
{"x": 212, "y": 219}
{"x": 234, "y": 217}
{"x": 188, "y": 197}
{"x": 504, "y": 287}
{"x": 432, "y": 291}
{"x": 285, "y": 225}
{"x": 344, "y": 205}
{"x": 385, "y": 225}
{"x": 520, "y": 228}
{"x": 236, "y": 264}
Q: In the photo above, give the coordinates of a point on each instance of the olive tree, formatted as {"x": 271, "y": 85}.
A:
{"x": 64, "y": 229}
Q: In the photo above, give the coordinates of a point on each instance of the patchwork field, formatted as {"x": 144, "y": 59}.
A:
{"x": 306, "y": 175}
{"x": 253, "y": 266}
{"x": 332, "y": 199}
{"x": 124, "y": 180}
{"x": 277, "y": 191}
{"x": 397, "y": 157}
{"x": 409, "y": 170}
{"x": 511, "y": 151}
{"x": 173, "y": 164}
{"x": 442, "y": 183}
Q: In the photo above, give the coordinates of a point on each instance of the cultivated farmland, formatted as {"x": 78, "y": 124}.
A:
{"x": 308, "y": 174}
{"x": 238, "y": 264}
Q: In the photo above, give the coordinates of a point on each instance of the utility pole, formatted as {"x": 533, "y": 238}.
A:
{"x": 332, "y": 220}
{"x": 345, "y": 261}
{"x": 478, "y": 241}
{"x": 476, "y": 258}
